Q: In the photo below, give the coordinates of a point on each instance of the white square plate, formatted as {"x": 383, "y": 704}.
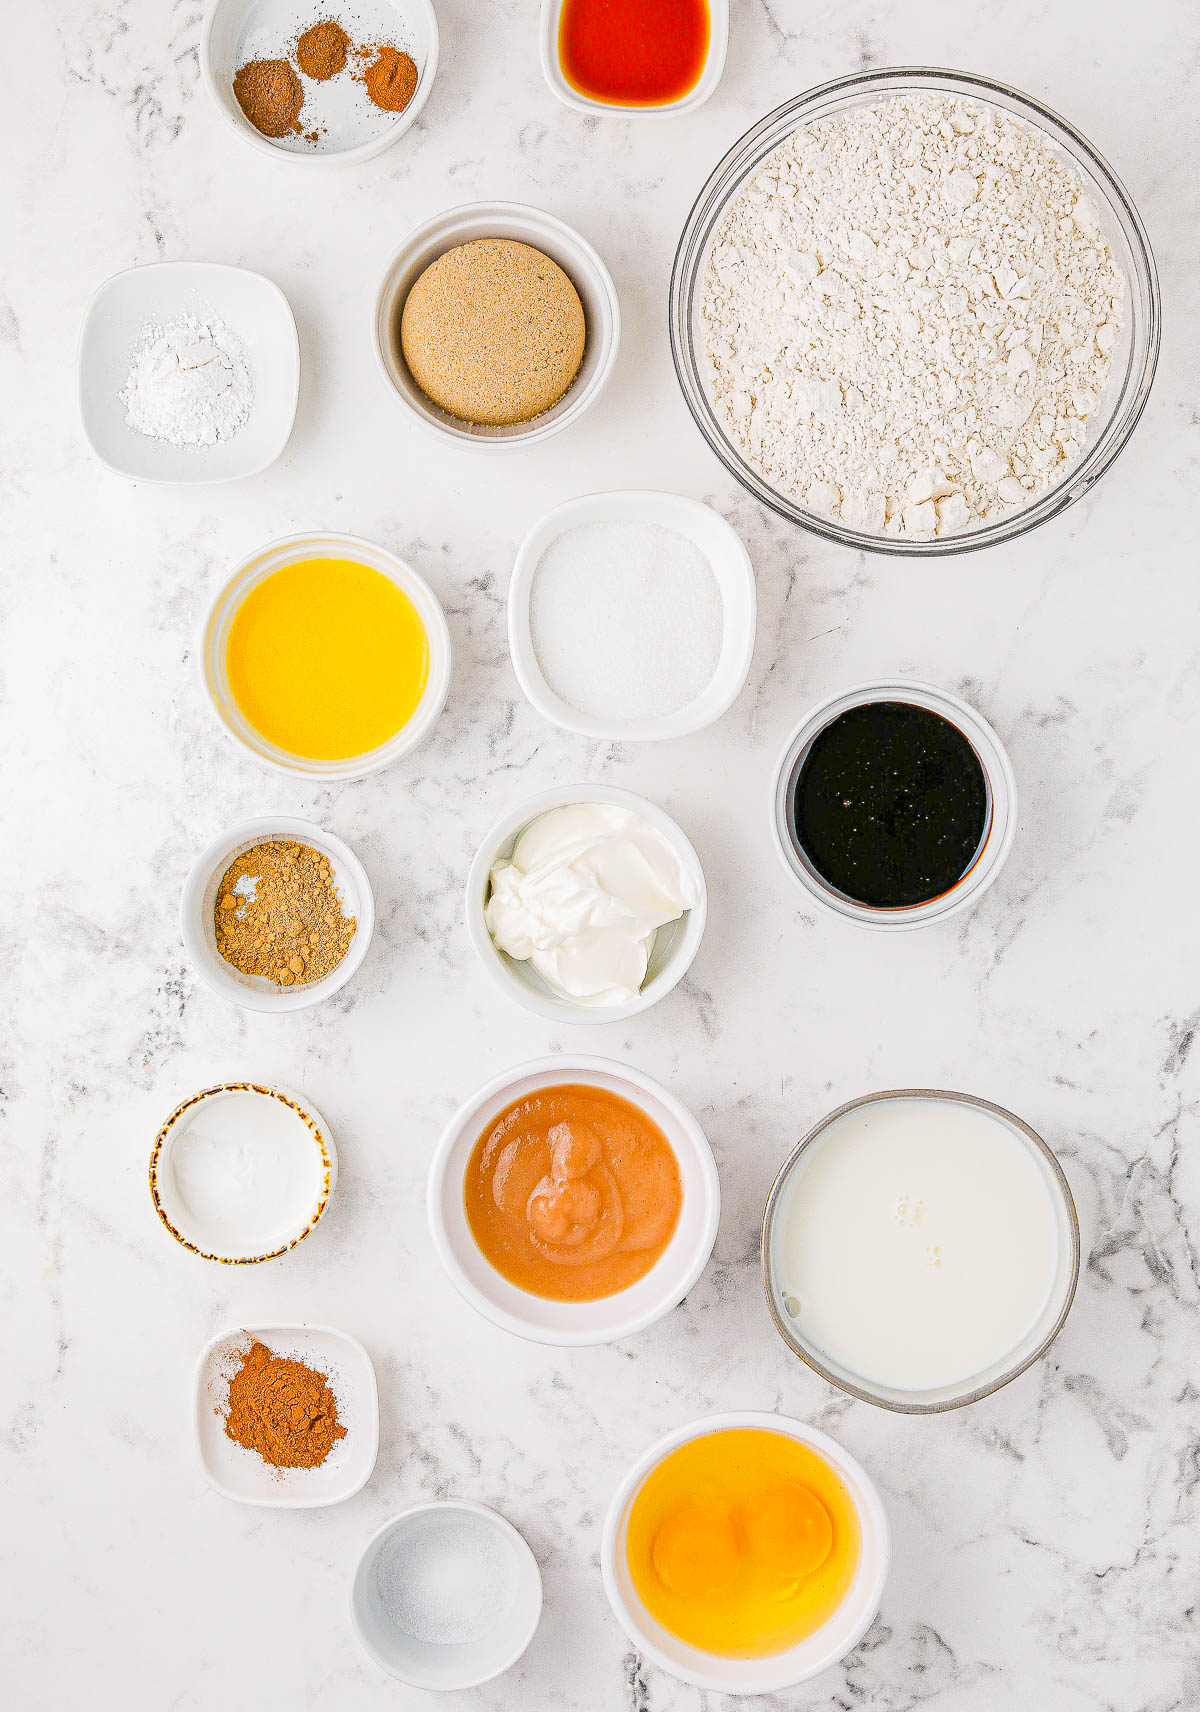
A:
{"x": 113, "y": 329}
{"x": 241, "y": 1474}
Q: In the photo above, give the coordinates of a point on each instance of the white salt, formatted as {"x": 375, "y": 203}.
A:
{"x": 626, "y": 620}
{"x": 446, "y": 1579}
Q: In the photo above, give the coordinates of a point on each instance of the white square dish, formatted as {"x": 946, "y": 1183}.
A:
{"x": 241, "y": 1474}
{"x": 115, "y": 324}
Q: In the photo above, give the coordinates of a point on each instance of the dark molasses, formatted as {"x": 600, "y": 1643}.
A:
{"x": 890, "y": 804}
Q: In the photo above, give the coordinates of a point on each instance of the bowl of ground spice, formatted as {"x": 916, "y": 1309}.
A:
{"x": 286, "y": 1415}
{"x": 326, "y": 87}
{"x": 497, "y": 325}
{"x": 277, "y": 914}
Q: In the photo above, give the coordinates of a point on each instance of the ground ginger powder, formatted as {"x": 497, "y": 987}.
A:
{"x": 278, "y": 915}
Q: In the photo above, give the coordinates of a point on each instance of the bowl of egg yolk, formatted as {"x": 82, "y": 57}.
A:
{"x": 745, "y": 1553}
{"x": 327, "y": 656}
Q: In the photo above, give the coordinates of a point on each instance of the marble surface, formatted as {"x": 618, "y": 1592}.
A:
{"x": 1046, "y": 1541}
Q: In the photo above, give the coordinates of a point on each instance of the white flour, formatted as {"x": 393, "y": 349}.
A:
{"x": 189, "y": 383}
{"x": 910, "y": 314}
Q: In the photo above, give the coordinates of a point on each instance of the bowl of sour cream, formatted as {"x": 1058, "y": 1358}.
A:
{"x": 920, "y": 1249}
{"x": 586, "y": 904}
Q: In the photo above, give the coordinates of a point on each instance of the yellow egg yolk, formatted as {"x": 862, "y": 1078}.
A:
{"x": 696, "y": 1552}
{"x": 743, "y": 1542}
{"x": 327, "y": 658}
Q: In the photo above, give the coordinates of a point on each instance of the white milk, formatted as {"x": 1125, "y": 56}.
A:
{"x": 916, "y": 1242}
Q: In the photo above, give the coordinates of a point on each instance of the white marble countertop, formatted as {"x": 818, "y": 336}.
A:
{"x": 1046, "y": 1541}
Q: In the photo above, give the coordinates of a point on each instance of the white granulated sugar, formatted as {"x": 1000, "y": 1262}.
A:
{"x": 626, "y": 620}
{"x": 446, "y": 1580}
{"x": 910, "y": 314}
{"x": 189, "y": 383}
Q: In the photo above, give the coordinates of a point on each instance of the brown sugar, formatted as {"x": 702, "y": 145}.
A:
{"x": 277, "y": 914}
{"x": 270, "y": 95}
{"x": 493, "y": 331}
{"x": 321, "y": 51}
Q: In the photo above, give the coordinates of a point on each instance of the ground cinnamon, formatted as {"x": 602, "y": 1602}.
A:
{"x": 282, "y": 1409}
{"x": 390, "y": 77}
{"x": 321, "y": 51}
{"x": 270, "y": 95}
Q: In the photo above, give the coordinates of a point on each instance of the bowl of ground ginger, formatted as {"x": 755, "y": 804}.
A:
{"x": 277, "y": 914}
{"x": 329, "y": 86}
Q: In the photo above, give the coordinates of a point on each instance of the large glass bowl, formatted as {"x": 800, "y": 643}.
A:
{"x": 1134, "y": 358}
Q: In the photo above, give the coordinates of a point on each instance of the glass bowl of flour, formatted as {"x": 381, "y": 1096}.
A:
{"x": 915, "y": 312}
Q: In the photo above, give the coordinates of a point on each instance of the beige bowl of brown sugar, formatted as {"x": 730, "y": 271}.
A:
{"x": 564, "y": 246}
{"x": 198, "y": 913}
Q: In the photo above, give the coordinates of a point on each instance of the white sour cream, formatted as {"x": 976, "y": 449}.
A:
{"x": 586, "y": 889}
{"x": 916, "y": 1242}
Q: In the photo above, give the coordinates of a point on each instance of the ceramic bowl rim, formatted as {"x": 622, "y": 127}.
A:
{"x": 724, "y": 1421}
{"x": 862, "y": 1391}
{"x": 742, "y": 624}
{"x": 561, "y": 1067}
{"x": 265, "y": 1329}
{"x": 524, "y": 1551}
{"x": 262, "y": 828}
{"x": 308, "y": 1115}
{"x": 328, "y": 158}
{"x": 433, "y": 619}
{"x": 549, "y": 1005}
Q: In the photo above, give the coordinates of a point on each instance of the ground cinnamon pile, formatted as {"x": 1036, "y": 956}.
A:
{"x": 282, "y": 1409}
{"x": 321, "y": 51}
{"x": 390, "y": 76}
{"x": 270, "y": 95}
{"x": 278, "y": 914}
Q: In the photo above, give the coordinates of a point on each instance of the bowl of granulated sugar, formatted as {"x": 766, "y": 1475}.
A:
{"x": 446, "y": 1596}
{"x": 631, "y": 615}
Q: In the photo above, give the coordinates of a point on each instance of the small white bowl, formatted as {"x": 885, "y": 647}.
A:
{"x": 203, "y": 1176}
{"x": 256, "y": 992}
{"x": 675, "y": 946}
{"x": 808, "y": 1658}
{"x": 714, "y": 65}
{"x": 564, "y": 245}
{"x": 1000, "y": 829}
{"x": 447, "y": 1664}
{"x": 574, "y": 1324}
{"x": 353, "y": 128}
{"x": 287, "y": 551}
{"x": 712, "y": 536}
{"x": 114, "y": 326}
{"x": 241, "y": 1474}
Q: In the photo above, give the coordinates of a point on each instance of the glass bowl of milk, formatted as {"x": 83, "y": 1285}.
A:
{"x": 920, "y": 1249}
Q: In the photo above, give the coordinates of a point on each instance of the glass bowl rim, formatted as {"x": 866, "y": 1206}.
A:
{"x": 732, "y": 172}
{"x": 862, "y": 1391}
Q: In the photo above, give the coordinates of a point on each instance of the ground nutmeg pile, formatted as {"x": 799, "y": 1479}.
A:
{"x": 270, "y": 95}
{"x": 282, "y": 1409}
{"x": 278, "y": 914}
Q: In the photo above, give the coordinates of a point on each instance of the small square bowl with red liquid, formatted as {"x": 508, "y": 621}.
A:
{"x": 634, "y": 56}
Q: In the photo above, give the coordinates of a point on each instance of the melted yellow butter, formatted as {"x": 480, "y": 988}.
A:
{"x": 327, "y": 658}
